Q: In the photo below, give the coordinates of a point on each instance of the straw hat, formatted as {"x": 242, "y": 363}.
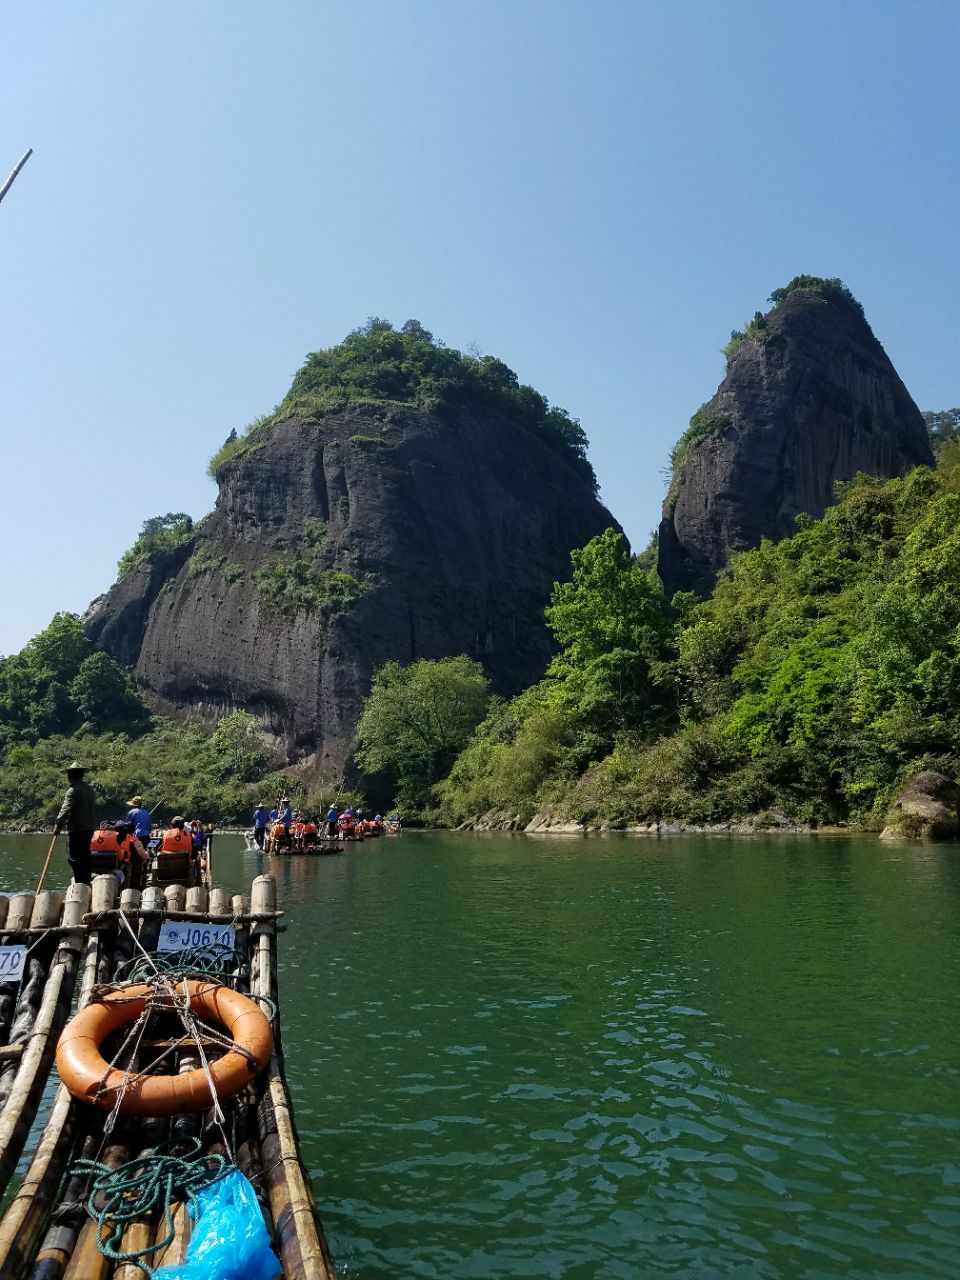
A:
{"x": 76, "y": 767}
{"x": 135, "y": 801}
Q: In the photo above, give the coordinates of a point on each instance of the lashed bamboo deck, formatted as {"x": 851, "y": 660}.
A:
{"x": 45, "y": 1233}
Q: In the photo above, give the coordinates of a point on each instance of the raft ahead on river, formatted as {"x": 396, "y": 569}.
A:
{"x": 83, "y": 940}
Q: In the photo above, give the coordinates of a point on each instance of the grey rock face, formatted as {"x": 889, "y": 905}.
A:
{"x": 813, "y": 404}
{"x": 455, "y": 527}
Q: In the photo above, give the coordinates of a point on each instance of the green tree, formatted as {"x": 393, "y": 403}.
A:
{"x": 237, "y": 749}
{"x": 943, "y": 428}
{"x": 416, "y": 719}
{"x": 610, "y": 624}
{"x": 159, "y": 533}
{"x": 104, "y": 697}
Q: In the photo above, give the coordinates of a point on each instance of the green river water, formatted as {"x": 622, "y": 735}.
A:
{"x": 616, "y": 1058}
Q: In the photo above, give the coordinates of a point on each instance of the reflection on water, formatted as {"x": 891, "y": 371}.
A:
{"x": 517, "y": 1057}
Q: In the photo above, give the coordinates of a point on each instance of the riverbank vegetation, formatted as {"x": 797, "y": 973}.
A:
{"x": 62, "y": 700}
{"x": 820, "y": 672}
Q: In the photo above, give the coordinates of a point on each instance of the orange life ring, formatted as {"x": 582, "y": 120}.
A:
{"x": 90, "y": 1078}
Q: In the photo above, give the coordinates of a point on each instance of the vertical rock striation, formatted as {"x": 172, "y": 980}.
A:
{"x": 810, "y": 398}
{"x": 341, "y": 540}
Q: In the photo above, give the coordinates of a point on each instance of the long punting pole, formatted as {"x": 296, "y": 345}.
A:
{"x": 20, "y": 163}
{"x": 43, "y": 873}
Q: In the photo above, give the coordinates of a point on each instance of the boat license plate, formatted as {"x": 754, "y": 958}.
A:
{"x": 11, "y": 963}
{"x": 177, "y": 935}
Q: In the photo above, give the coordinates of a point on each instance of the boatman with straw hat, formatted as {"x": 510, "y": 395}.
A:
{"x": 76, "y": 815}
{"x": 140, "y": 817}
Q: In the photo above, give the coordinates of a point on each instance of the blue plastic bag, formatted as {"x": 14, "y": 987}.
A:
{"x": 229, "y": 1240}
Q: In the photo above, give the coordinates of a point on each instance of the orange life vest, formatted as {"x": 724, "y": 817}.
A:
{"x": 105, "y": 841}
{"x": 309, "y": 828}
{"x": 176, "y": 840}
{"x": 299, "y": 828}
{"x": 279, "y": 830}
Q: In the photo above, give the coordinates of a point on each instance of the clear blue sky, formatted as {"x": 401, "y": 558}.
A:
{"x": 595, "y": 192}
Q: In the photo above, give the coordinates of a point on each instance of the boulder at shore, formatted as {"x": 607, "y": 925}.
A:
{"x": 928, "y": 809}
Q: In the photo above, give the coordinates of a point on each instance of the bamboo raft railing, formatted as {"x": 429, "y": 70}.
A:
{"x": 45, "y": 1233}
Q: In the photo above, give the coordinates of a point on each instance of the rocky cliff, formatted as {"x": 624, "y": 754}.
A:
{"x": 810, "y": 398}
{"x": 343, "y": 538}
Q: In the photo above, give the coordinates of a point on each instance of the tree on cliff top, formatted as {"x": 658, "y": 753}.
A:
{"x": 159, "y": 533}
{"x": 380, "y": 364}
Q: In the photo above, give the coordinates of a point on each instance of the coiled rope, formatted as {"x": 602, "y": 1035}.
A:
{"x": 137, "y": 1189}
{"x": 211, "y": 960}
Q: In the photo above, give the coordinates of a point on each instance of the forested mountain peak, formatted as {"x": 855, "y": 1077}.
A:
{"x": 404, "y": 501}
{"x": 379, "y": 365}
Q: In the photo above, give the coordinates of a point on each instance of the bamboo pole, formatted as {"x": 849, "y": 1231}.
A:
{"x": 23, "y": 1221}
{"x": 86, "y": 1262}
{"x": 303, "y": 1250}
{"x": 220, "y": 902}
{"x": 17, "y": 167}
{"x": 43, "y": 873}
{"x": 19, "y": 912}
{"x": 18, "y": 1003}
{"x": 197, "y": 900}
{"x": 60, "y": 1238}
{"x": 28, "y": 993}
{"x": 182, "y": 1129}
{"x": 152, "y": 900}
{"x": 22, "y": 1084}
{"x": 173, "y": 913}
{"x": 176, "y": 896}
{"x": 140, "y": 1233}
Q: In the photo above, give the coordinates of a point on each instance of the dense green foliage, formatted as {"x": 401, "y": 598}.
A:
{"x": 159, "y": 533}
{"x": 217, "y": 777}
{"x": 210, "y": 776}
{"x": 415, "y": 721}
{"x": 831, "y": 288}
{"x": 610, "y": 677}
{"x": 59, "y": 684}
{"x": 62, "y": 700}
{"x": 822, "y": 671}
{"x": 378, "y": 364}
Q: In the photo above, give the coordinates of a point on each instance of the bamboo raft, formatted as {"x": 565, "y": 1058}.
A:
{"x": 80, "y": 939}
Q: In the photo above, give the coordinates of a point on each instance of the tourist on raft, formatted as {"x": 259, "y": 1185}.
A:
{"x": 76, "y": 816}
{"x": 261, "y": 816}
{"x": 136, "y": 857}
{"x": 115, "y": 849}
{"x": 177, "y": 839}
